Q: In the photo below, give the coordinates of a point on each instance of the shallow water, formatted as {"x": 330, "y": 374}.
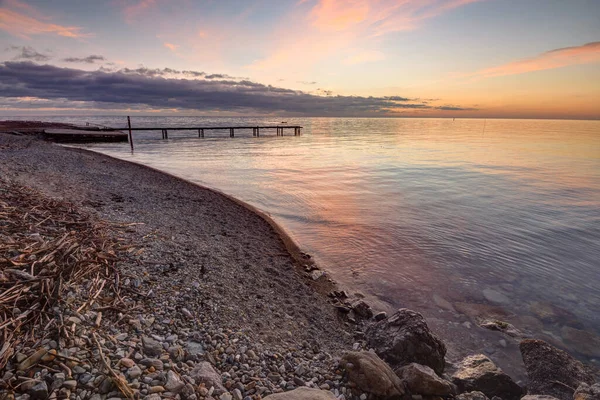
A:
{"x": 502, "y": 213}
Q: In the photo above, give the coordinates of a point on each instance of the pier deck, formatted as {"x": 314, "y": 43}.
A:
{"x": 201, "y": 130}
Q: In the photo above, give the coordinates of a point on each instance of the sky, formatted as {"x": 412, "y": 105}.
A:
{"x": 364, "y": 58}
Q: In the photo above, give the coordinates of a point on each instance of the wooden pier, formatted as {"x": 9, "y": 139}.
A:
{"x": 280, "y": 129}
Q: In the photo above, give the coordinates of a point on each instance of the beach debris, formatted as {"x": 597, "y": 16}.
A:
{"x": 51, "y": 254}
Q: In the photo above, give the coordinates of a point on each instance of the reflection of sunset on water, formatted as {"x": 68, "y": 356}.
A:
{"x": 401, "y": 209}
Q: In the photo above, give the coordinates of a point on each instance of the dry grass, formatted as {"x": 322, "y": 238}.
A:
{"x": 52, "y": 256}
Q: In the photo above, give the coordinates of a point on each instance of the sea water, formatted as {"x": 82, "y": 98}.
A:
{"x": 461, "y": 219}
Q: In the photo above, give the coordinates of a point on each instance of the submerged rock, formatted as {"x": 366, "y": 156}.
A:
{"x": 551, "y": 371}
{"x": 583, "y": 342}
{"x": 372, "y": 375}
{"x": 404, "y": 338}
{"x": 303, "y": 394}
{"x": 495, "y": 296}
{"x": 421, "y": 379}
{"x": 479, "y": 373}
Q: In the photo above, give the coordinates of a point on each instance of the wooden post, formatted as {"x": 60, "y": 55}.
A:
{"x": 201, "y": 132}
{"x": 166, "y": 134}
{"x": 130, "y": 137}
{"x": 257, "y": 131}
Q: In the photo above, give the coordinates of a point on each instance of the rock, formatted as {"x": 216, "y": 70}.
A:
{"x": 423, "y": 380}
{"x": 203, "y": 372}
{"x": 443, "y": 303}
{"x": 583, "y": 342}
{"x": 237, "y": 395}
{"x": 472, "y": 396}
{"x": 156, "y": 389}
{"x": 551, "y": 371}
{"x": 371, "y": 374}
{"x": 316, "y": 274}
{"x": 494, "y": 296}
{"x": 362, "y": 309}
{"x": 193, "y": 350}
{"x": 176, "y": 353}
{"x": 479, "y": 373}
{"x": 538, "y": 397}
{"x": 404, "y": 338}
{"x": 134, "y": 372}
{"x": 152, "y": 362}
{"x": 303, "y": 394}
{"x": 174, "y": 383}
{"x": 587, "y": 392}
{"x": 151, "y": 347}
{"x": 226, "y": 396}
{"x": 380, "y": 316}
{"x": 39, "y": 391}
{"x": 71, "y": 384}
{"x": 553, "y": 314}
{"x": 481, "y": 311}
{"x": 127, "y": 362}
{"x": 501, "y": 326}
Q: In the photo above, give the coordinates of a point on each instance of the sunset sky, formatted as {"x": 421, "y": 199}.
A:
{"x": 452, "y": 58}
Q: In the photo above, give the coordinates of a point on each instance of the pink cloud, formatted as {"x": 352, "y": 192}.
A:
{"x": 132, "y": 11}
{"x": 22, "y": 20}
{"x": 585, "y": 54}
{"x": 171, "y": 46}
{"x": 378, "y": 17}
{"x": 331, "y": 27}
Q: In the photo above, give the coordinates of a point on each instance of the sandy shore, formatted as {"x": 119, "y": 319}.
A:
{"x": 256, "y": 283}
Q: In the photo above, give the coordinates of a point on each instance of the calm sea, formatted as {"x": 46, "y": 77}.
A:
{"x": 460, "y": 219}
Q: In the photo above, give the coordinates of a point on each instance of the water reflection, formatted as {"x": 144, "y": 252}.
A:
{"x": 503, "y": 221}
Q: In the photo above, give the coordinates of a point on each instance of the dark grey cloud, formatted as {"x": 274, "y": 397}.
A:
{"x": 150, "y": 88}
{"x": 29, "y": 53}
{"x": 454, "y": 108}
{"x": 91, "y": 59}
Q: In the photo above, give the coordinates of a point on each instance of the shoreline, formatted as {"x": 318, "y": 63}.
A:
{"x": 249, "y": 292}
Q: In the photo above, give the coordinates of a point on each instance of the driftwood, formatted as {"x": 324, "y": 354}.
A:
{"x": 51, "y": 255}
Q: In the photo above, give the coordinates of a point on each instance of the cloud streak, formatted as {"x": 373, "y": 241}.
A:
{"x": 91, "y": 59}
{"x": 30, "y": 80}
{"x": 558, "y": 58}
{"x": 24, "y": 21}
{"x": 29, "y": 53}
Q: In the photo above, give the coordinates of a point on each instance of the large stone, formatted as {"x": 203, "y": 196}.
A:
{"x": 538, "y": 397}
{"x": 372, "y": 375}
{"x": 174, "y": 383}
{"x": 587, "y": 392}
{"x": 472, "y": 396}
{"x": 151, "y": 347}
{"x": 421, "y": 379}
{"x": 405, "y": 338}
{"x": 479, "y": 373}
{"x": 203, "y": 372}
{"x": 303, "y": 394}
{"x": 551, "y": 371}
